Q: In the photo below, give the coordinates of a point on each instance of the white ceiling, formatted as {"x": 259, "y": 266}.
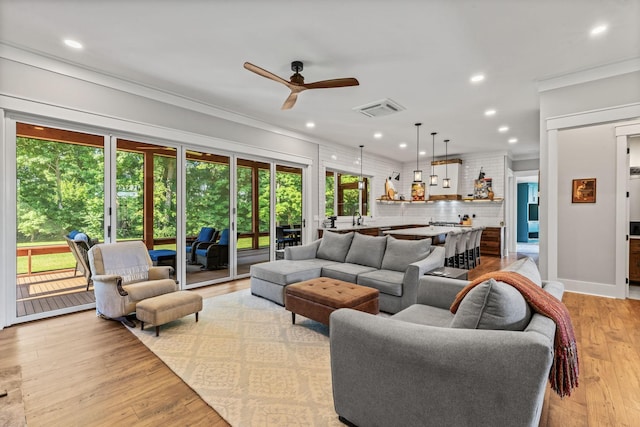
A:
{"x": 419, "y": 53}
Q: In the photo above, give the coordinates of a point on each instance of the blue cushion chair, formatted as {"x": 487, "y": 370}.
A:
{"x": 214, "y": 255}
{"x": 206, "y": 235}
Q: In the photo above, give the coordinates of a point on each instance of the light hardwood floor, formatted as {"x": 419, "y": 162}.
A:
{"x": 81, "y": 370}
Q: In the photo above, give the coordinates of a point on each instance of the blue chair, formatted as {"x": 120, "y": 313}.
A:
{"x": 206, "y": 235}
{"x": 214, "y": 255}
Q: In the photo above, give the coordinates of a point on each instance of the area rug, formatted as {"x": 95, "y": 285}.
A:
{"x": 11, "y": 405}
{"x": 250, "y": 363}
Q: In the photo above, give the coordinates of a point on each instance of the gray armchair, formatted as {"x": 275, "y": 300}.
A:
{"x": 123, "y": 275}
{"x": 417, "y": 368}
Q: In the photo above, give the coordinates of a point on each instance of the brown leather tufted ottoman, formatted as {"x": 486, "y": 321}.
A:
{"x": 318, "y": 298}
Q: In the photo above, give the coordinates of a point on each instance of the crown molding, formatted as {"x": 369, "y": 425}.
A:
{"x": 588, "y": 75}
{"x": 43, "y": 61}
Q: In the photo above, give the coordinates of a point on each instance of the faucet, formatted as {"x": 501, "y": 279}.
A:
{"x": 353, "y": 219}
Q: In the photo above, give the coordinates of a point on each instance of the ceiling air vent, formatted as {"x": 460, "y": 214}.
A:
{"x": 380, "y": 108}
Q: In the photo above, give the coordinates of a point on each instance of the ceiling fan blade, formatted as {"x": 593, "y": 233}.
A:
{"x": 290, "y": 101}
{"x": 326, "y": 84}
{"x": 264, "y": 73}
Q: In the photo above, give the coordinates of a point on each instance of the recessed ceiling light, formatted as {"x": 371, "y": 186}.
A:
{"x": 513, "y": 140}
{"x": 422, "y": 153}
{"x": 377, "y": 135}
{"x": 403, "y": 145}
{"x": 477, "y": 78}
{"x": 334, "y": 157}
{"x": 503, "y": 129}
{"x": 310, "y": 125}
{"x": 490, "y": 112}
{"x": 72, "y": 43}
{"x": 598, "y": 30}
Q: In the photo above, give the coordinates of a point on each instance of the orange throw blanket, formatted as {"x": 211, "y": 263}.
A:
{"x": 564, "y": 371}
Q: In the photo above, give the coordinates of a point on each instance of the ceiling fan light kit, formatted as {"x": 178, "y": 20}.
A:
{"x": 296, "y": 82}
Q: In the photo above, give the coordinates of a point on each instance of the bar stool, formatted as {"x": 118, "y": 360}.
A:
{"x": 471, "y": 248}
{"x": 461, "y": 250}
{"x": 477, "y": 244}
{"x": 450, "y": 248}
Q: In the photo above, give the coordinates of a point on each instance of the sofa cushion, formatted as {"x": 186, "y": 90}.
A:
{"x": 425, "y": 315}
{"x": 345, "y": 271}
{"x": 367, "y": 250}
{"x": 386, "y": 281}
{"x": 400, "y": 253}
{"x": 493, "y": 305}
{"x": 334, "y": 246}
{"x": 285, "y": 272}
{"x": 527, "y": 268}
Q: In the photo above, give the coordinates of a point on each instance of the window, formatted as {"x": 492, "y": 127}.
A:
{"x": 342, "y": 196}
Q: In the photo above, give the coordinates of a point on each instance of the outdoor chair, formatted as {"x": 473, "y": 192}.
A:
{"x": 282, "y": 239}
{"x": 206, "y": 235}
{"x": 79, "y": 245}
{"x": 214, "y": 255}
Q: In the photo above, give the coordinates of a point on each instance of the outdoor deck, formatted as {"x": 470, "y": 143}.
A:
{"x": 38, "y": 293}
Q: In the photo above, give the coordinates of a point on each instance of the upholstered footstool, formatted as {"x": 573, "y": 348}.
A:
{"x": 318, "y": 298}
{"x": 167, "y": 308}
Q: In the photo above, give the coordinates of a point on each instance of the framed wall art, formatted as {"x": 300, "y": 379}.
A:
{"x": 583, "y": 190}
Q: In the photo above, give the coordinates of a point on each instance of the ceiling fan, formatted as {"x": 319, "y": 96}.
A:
{"x": 297, "y": 84}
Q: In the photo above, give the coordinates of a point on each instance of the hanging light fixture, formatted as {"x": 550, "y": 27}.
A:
{"x": 446, "y": 182}
{"x": 433, "y": 179}
{"x": 417, "y": 174}
{"x": 361, "y": 182}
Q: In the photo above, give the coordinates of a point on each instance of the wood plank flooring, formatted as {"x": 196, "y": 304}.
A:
{"x": 81, "y": 370}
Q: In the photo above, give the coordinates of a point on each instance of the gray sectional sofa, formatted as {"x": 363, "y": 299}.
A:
{"x": 390, "y": 265}
{"x": 487, "y": 365}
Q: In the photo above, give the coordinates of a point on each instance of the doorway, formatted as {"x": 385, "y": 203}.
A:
{"x": 527, "y": 213}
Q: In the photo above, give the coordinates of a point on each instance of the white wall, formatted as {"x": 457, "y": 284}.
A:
{"x": 586, "y": 231}
{"x": 566, "y": 154}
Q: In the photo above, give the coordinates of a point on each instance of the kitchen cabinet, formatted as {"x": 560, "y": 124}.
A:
{"x": 634, "y": 260}
{"x": 491, "y": 242}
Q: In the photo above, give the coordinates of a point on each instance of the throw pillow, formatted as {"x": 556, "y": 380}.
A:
{"x": 527, "y": 268}
{"x": 334, "y": 246}
{"x": 400, "y": 253}
{"x": 367, "y": 250}
{"x": 493, "y": 305}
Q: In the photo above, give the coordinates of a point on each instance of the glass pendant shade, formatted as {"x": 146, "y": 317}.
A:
{"x": 417, "y": 174}
{"x": 361, "y": 185}
{"x": 446, "y": 183}
{"x": 433, "y": 179}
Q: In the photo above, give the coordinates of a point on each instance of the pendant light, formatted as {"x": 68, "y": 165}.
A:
{"x": 446, "y": 183}
{"x": 433, "y": 179}
{"x": 361, "y": 182}
{"x": 417, "y": 174}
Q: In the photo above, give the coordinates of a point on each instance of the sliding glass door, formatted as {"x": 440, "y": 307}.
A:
{"x": 59, "y": 215}
{"x": 253, "y": 213}
{"x": 207, "y": 218}
{"x": 78, "y": 188}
